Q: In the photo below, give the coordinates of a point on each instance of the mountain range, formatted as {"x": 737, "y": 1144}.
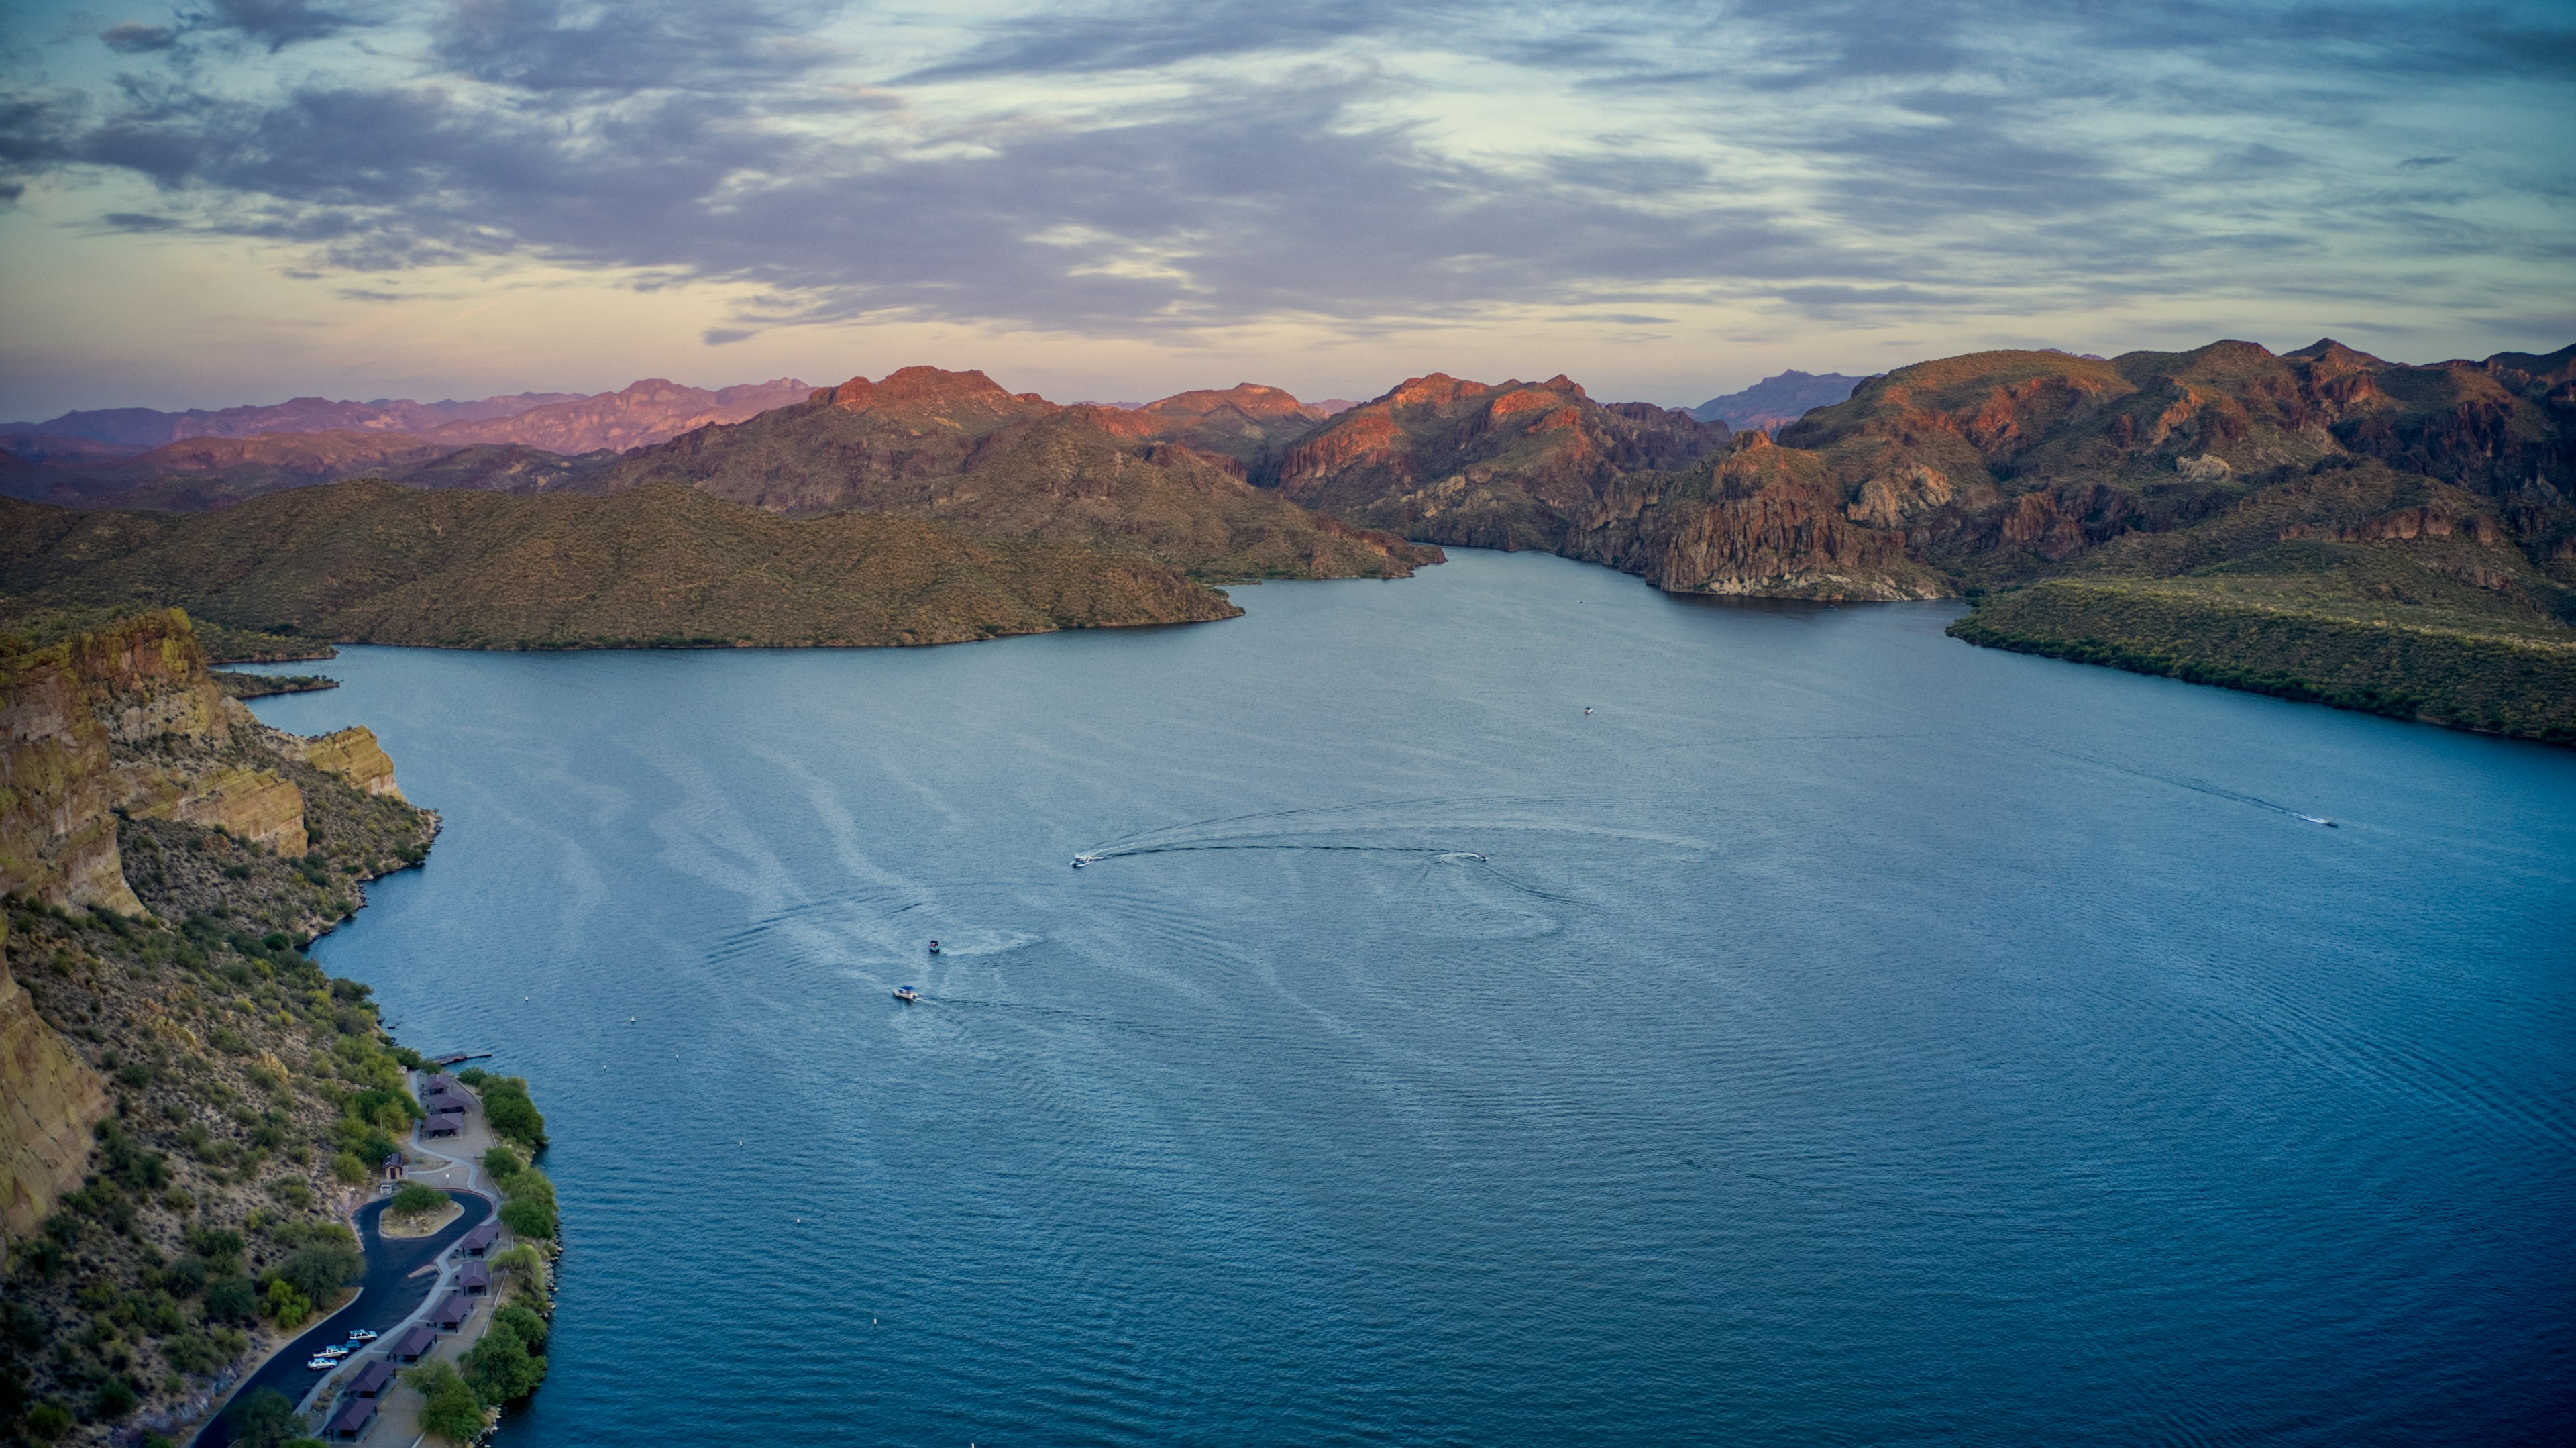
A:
{"x": 562, "y": 422}
{"x": 2320, "y": 524}
{"x": 1774, "y": 402}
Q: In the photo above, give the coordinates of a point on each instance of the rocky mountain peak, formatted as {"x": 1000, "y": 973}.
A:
{"x": 1250, "y": 398}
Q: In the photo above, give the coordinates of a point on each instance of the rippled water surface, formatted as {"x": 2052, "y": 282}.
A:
{"x": 1841, "y": 1035}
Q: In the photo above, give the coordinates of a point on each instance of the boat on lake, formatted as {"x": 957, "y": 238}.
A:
{"x": 906, "y": 994}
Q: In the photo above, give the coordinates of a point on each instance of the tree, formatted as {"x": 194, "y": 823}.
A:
{"x": 527, "y": 1218}
{"x": 525, "y": 1324}
{"x": 413, "y": 1199}
{"x": 449, "y": 1407}
{"x": 231, "y": 1299}
{"x": 287, "y": 1305}
{"x": 503, "y": 1163}
{"x": 320, "y": 1270}
{"x": 525, "y": 1263}
{"x": 501, "y": 1368}
{"x": 265, "y": 1419}
{"x": 510, "y": 1113}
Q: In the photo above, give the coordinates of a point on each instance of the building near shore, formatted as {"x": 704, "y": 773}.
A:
{"x": 451, "y": 1314}
{"x": 412, "y": 1346}
{"x": 353, "y": 1420}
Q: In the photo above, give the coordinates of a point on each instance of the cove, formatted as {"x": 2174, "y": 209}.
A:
{"x": 1839, "y": 1035}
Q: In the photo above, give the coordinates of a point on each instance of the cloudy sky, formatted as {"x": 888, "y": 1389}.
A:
{"x": 241, "y": 200}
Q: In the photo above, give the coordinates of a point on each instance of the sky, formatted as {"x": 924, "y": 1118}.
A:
{"x": 231, "y": 201}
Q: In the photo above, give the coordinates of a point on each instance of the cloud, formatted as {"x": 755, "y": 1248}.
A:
{"x": 1160, "y": 168}
{"x": 1164, "y": 33}
{"x": 276, "y": 23}
{"x": 133, "y": 37}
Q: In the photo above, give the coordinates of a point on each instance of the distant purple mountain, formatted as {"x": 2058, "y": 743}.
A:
{"x": 147, "y": 427}
{"x": 1775, "y": 402}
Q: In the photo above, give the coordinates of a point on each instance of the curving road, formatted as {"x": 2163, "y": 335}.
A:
{"x": 387, "y": 1294}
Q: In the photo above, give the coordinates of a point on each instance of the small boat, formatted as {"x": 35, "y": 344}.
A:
{"x": 906, "y": 994}
{"x": 934, "y": 947}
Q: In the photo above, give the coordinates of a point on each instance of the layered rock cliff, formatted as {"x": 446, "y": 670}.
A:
{"x": 1754, "y": 521}
{"x": 49, "y": 1098}
{"x": 106, "y": 730}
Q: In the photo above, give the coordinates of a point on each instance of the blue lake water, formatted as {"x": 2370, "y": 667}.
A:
{"x": 1841, "y": 1035}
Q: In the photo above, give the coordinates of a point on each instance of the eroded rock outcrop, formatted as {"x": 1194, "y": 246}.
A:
{"x": 1755, "y": 521}
{"x": 49, "y": 1099}
{"x": 352, "y": 753}
{"x": 1515, "y": 465}
{"x": 125, "y": 723}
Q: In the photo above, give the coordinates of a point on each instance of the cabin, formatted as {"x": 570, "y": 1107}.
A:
{"x": 442, "y": 1126}
{"x": 353, "y": 1420}
{"x": 451, "y": 1314}
{"x": 390, "y": 1170}
{"x": 475, "y": 1280}
{"x": 372, "y": 1380}
{"x": 412, "y": 1346}
{"x": 478, "y": 1243}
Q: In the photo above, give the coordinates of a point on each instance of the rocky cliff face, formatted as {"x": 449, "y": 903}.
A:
{"x": 1509, "y": 466}
{"x": 61, "y": 707}
{"x": 121, "y": 728}
{"x": 2004, "y": 465}
{"x": 1249, "y": 426}
{"x": 353, "y": 754}
{"x": 1755, "y": 521}
{"x": 49, "y": 1098}
{"x": 99, "y": 724}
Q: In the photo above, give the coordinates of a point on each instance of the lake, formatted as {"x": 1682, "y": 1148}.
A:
{"x": 1838, "y": 1034}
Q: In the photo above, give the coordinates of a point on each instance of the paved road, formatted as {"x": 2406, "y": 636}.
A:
{"x": 386, "y": 1295}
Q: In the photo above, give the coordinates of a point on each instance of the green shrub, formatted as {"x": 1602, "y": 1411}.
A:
{"x": 528, "y": 1219}
{"x": 350, "y": 1168}
{"x": 522, "y": 1322}
{"x": 266, "y": 1419}
{"x": 114, "y": 1401}
{"x": 449, "y": 1407}
{"x": 287, "y": 1305}
{"x": 215, "y": 1244}
{"x": 48, "y": 1421}
{"x": 320, "y": 1270}
{"x": 231, "y": 1299}
{"x": 414, "y": 1198}
{"x": 500, "y": 1367}
{"x": 509, "y": 1112}
{"x": 184, "y": 1278}
{"x": 525, "y": 1263}
{"x": 503, "y": 1163}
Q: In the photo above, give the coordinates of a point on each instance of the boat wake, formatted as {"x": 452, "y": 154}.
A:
{"x": 2196, "y": 786}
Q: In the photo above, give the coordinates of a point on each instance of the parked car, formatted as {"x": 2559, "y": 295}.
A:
{"x": 362, "y": 1334}
{"x": 322, "y": 1364}
{"x": 335, "y": 1352}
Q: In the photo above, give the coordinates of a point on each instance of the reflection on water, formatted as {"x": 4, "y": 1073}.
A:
{"x": 1838, "y": 1035}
